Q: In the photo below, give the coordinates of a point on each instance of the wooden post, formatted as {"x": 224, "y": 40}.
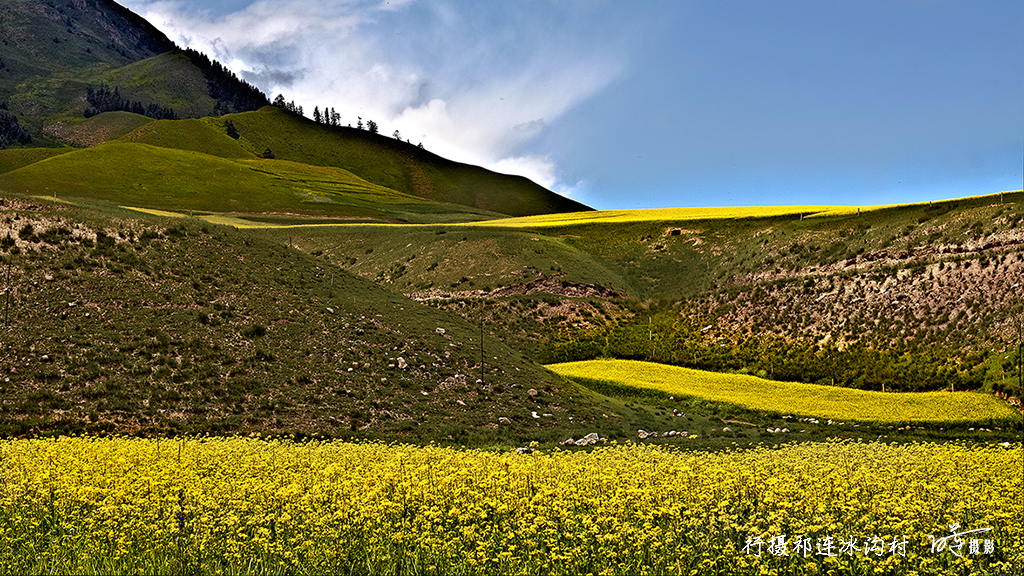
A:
{"x": 650, "y": 337}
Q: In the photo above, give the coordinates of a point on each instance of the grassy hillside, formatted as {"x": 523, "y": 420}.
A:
{"x": 165, "y": 178}
{"x": 394, "y": 164}
{"x": 914, "y": 297}
{"x": 154, "y": 326}
{"x": 205, "y": 135}
{"x": 20, "y": 157}
{"x": 125, "y": 322}
{"x": 169, "y": 79}
{"x": 86, "y": 132}
{"x": 911, "y": 297}
{"x": 420, "y": 177}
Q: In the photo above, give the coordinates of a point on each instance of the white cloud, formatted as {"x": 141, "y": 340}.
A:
{"x": 465, "y": 83}
{"x": 540, "y": 169}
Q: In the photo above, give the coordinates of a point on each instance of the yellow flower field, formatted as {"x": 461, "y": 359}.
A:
{"x": 670, "y": 215}
{"x": 793, "y": 397}
{"x": 244, "y": 505}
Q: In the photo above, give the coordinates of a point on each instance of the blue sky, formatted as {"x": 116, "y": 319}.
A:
{"x": 657, "y": 103}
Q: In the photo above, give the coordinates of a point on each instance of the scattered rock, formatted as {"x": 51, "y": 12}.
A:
{"x": 567, "y": 442}
{"x": 402, "y": 364}
{"x": 440, "y": 331}
{"x": 331, "y": 310}
{"x": 642, "y": 434}
{"x": 534, "y": 414}
{"x": 532, "y": 392}
{"x": 726, "y": 429}
{"x": 504, "y": 420}
{"x": 460, "y": 402}
{"x": 548, "y": 415}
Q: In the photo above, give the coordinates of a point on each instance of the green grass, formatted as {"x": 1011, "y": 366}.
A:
{"x": 794, "y": 398}
{"x": 170, "y": 179}
{"x": 15, "y": 158}
{"x": 100, "y": 128}
{"x": 417, "y": 258}
{"x": 204, "y": 135}
{"x": 167, "y": 79}
{"x": 394, "y": 164}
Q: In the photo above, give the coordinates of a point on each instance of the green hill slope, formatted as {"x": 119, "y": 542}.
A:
{"x": 101, "y": 128}
{"x": 154, "y": 177}
{"x": 395, "y": 164}
{"x": 204, "y": 135}
{"x": 21, "y": 157}
{"x": 377, "y": 159}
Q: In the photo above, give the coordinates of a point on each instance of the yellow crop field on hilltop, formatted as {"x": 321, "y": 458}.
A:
{"x": 214, "y": 506}
{"x": 669, "y": 215}
{"x": 792, "y": 397}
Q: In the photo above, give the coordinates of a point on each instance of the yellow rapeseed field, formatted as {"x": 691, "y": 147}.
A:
{"x": 245, "y": 505}
{"x": 670, "y": 215}
{"x": 792, "y": 397}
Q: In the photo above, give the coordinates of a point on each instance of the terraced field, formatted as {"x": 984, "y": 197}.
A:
{"x": 792, "y": 398}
